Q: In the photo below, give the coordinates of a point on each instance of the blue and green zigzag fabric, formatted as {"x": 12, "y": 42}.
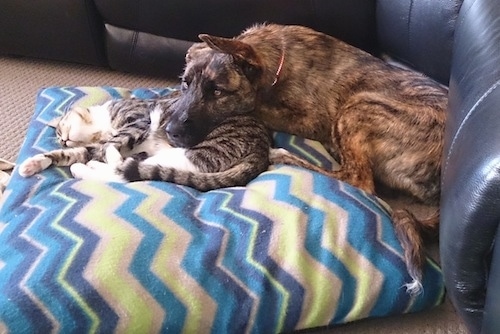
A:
{"x": 292, "y": 250}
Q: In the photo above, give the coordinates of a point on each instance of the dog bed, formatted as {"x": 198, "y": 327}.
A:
{"x": 292, "y": 250}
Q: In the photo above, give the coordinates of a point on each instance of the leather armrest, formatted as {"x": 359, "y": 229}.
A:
{"x": 491, "y": 318}
{"x": 470, "y": 197}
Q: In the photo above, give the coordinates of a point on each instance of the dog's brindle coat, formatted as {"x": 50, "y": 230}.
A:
{"x": 382, "y": 123}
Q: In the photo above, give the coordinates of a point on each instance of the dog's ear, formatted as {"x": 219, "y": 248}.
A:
{"x": 242, "y": 52}
{"x": 195, "y": 50}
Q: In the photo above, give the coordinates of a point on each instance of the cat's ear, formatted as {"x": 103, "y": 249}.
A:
{"x": 55, "y": 122}
{"x": 84, "y": 114}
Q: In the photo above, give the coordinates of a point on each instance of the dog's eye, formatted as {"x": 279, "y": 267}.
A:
{"x": 218, "y": 91}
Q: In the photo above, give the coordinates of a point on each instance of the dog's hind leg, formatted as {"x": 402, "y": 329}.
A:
{"x": 356, "y": 171}
{"x": 355, "y": 166}
{"x": 353, "y": 133}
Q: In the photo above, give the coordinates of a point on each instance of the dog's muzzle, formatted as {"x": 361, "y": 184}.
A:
{"x": 177, "y": 134}
{"x": 184, "y": 133}
{"x": 187, "y": 126}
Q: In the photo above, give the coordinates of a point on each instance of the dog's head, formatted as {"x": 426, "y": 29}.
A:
{"x": 218, "y": 82}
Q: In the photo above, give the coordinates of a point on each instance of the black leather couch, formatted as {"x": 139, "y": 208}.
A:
{"x": 456, "y": 42}
{"x": 152, "y": 36}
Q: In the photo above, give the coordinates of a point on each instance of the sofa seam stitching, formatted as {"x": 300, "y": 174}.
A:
{"x": 462, "y": 124}
{"x": 135, "y": 37}
{"x": 409, "y": 39}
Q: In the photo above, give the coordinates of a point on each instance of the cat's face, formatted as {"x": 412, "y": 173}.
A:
{"x": 77, "y": 128}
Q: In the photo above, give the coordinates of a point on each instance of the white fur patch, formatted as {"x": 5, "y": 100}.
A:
{"x": 113, "y": 157}
{"x": 151, "y": 145}
{"x": 95, "y": 170}
{"x": 100, "y": 114}
{"x": 174, "y": 157}
{"x": 155, "y": 117}
{"x": 414, "y": 288}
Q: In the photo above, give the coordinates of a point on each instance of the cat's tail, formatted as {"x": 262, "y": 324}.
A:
{"x": 238, "y": 175}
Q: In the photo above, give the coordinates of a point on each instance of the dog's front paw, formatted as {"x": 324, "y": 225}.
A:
{"x": 34, "y": 165}
{"x": 95, "y": 170}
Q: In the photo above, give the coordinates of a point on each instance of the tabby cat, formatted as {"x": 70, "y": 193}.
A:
{"x": 97, "y": 138}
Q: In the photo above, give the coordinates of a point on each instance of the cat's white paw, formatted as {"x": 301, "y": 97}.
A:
{"x": 80, "y": 171}
{"x": 113, "y": 156}
{"x": 95, "y": 170}
{"x": 34, "y": 165}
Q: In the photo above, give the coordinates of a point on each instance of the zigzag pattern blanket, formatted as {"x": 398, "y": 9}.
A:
{"x": 292, "y": 250}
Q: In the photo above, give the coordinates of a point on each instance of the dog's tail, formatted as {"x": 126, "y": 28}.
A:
{"x": 410, "y": 231}
{"x": 429, "y": 225}
{"x": 238, "y": 175}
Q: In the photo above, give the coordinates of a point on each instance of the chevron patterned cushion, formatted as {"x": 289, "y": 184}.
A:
{"x": 292, "y": 250}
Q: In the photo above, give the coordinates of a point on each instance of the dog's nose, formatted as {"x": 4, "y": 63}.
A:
{"x": 172, "y": 131}
{"x": 178, "y": 134}
{"x": 178, "y": 128}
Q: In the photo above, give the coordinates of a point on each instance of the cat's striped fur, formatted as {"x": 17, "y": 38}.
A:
{"x": 88, "y": 132}
{"x": 233, "y": 153}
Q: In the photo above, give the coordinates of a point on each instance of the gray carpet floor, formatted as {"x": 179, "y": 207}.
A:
{"x": 22, "y": 78}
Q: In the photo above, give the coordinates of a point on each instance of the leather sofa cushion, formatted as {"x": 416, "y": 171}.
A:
{"x": 352, "y": 20}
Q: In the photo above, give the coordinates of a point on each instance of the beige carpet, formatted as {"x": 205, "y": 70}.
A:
{"x": 20, "y": 80}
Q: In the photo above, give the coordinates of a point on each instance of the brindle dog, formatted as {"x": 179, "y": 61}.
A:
{"x": 382, "y": 123}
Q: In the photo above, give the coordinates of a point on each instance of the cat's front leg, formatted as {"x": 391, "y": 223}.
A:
{"x": 34, "y": 164}
{"x": 62, "y": 157}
